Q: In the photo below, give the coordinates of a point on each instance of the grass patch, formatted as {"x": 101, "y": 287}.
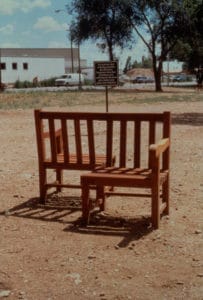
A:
{"x": 39, "y": 99}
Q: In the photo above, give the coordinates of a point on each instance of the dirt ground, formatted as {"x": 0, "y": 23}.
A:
{"x": 45, "y": 255}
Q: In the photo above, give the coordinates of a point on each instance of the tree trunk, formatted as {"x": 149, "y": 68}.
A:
{"x": 158, "y": 87}
{"x": 110, "y": 52}
{"x": 157, "y": 73}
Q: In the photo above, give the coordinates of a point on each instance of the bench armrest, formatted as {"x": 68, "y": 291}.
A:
{"x": 160, "y": 147}
{"x": 155, "y": 151}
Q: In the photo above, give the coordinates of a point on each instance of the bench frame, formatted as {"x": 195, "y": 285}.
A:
{"x": 104, "y": 172}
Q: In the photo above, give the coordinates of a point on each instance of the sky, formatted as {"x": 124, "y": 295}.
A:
{"x": 35, "y": 24}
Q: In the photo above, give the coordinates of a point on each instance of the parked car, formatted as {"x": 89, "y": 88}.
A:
{"x": 143, "y": 79}
{"x": 180, "y": 78}
{"x": 69, "y": 79}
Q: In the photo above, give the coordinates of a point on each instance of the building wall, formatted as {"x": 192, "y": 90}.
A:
{"x": 43, "y": 63}
{"x": 172, "y": 66}
{"x": 43, "y": 68}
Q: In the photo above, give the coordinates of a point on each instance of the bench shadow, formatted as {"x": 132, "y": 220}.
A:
{"x": 130, "y": 229}
{"x": 67, "y": 210}
{"x": 193, "y": 119}
{"x": 56, "y": 209}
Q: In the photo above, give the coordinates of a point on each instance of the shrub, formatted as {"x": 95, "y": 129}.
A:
{"x": 48, "y": 82}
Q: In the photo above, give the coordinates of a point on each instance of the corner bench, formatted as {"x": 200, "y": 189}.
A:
{"x": 142, "y": 142}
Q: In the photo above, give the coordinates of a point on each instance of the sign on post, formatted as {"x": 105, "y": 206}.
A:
{"x": 106, "y": 74}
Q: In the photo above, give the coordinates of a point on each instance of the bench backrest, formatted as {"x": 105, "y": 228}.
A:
{"x": 126, "y": 135}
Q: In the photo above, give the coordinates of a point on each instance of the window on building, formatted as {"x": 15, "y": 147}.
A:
{"x": 3, "y": 66}
{"x": 25, "y": 66}
{"x": 14, "y": 66}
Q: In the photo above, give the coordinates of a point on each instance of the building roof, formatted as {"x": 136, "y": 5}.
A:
{"x": 39, "y": 52}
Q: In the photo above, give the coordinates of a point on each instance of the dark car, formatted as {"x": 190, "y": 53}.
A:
{"x": 180, "y": 78}
{"x": 143, "y": 79}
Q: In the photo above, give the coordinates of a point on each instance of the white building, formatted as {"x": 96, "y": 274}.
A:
{"x": 44, "y": 63}
{"x": 172, "y": 66}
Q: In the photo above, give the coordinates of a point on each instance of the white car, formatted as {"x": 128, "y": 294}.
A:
{"x": 70, "y": 79}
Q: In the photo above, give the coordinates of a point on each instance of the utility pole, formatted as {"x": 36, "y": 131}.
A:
{"x": 79, "y": 67}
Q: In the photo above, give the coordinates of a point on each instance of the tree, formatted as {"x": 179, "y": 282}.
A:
{"x": 162, "y": 24}
{"x": 159, "y": 23}
{"x": 190, "y": 47}
{"x": 105, "y": 21}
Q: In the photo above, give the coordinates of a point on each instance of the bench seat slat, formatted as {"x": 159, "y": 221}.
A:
{"x": 73, "y": 159}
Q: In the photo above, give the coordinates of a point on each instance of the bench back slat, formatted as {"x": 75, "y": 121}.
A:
{"x": 109, "y": 141}
{"x": 52, "y": 140}
{"x": 137, "y": 143}
{"x": 65, "y": 141}
{"x": 91, "y": 143}
{"x": 152, "y": 133}
{"x": 78, "y": 142}
{"x": 123, "y": 146}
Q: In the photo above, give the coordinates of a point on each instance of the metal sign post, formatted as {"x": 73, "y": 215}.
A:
{"x": 106, "y": 74}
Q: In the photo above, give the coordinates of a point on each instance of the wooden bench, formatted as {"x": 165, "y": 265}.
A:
{"x": 141, "y": 142}
{"x": 66, "y": 141}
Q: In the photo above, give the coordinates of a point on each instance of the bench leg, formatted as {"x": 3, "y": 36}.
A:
{"x": 59, "y": 179}
{"x": 155, "y": 206}
{"x": 42, "y": 185}
{"x": 166, "y": 196}
{"x": 101, "y": 196}
{"x": 85, "y": 204}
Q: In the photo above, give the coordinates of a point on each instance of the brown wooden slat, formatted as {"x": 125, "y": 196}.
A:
{"x": 109, "y": 142}
{"x": 123, "y": 143}
{"x": 39, "y": 136}
{"x": 65, "y": 140}
{"x": 52, "y": 139}
{"x": 78, "y": 142}
{"x": 91, "y": 144}
{"x": 152, "y": 133}
{"x": 103, "y": 116}
{"x": 137, "y": 143}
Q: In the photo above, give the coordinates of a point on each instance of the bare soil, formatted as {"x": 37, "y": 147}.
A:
{"x": 45, "y": 254}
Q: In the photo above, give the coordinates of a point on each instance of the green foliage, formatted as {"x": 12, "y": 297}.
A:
{"x": 189, "y": 48}
{"x": 29, "y": 84}
{"x": 161, "y": 25}
{"x": 106, "y": 21}
{"x": 145, "y": 63}
{"x": 22, "y": 84}
{"x": 48, "y": 82}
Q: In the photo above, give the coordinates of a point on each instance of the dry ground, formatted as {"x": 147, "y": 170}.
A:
{"x": 45, "y": 255}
